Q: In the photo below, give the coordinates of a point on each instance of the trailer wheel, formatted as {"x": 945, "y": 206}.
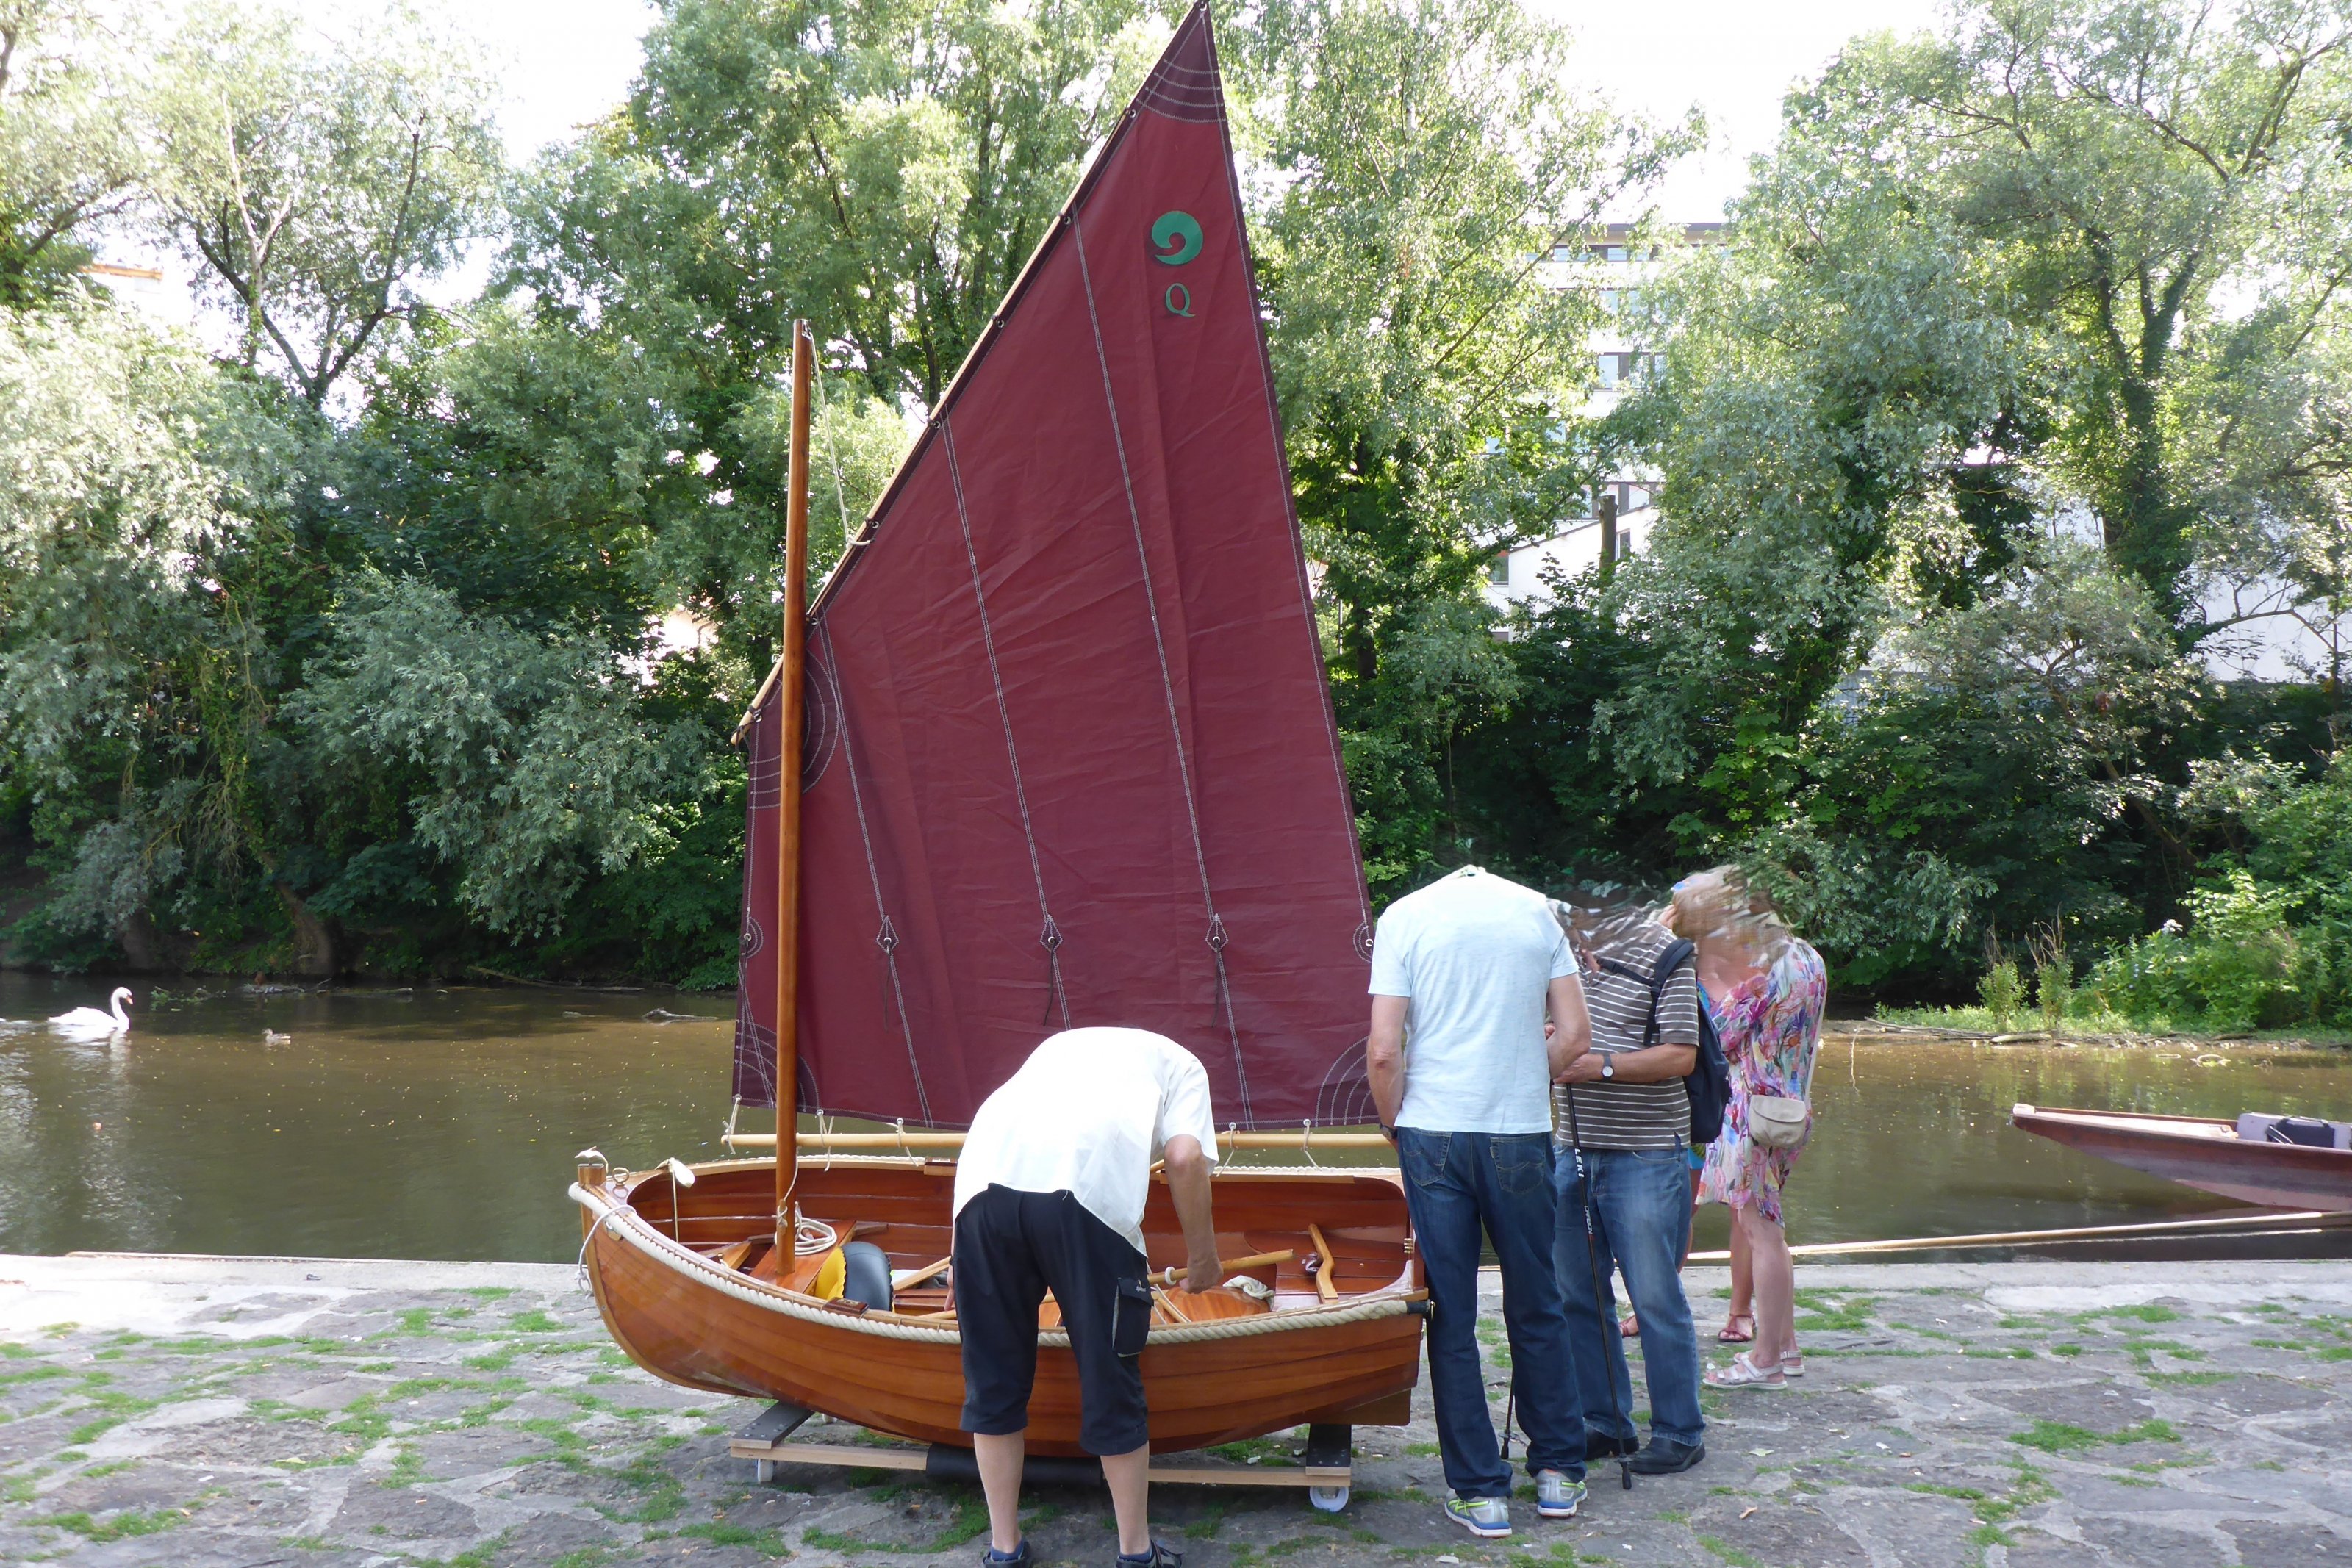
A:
{"x": 1330, "y": 1500}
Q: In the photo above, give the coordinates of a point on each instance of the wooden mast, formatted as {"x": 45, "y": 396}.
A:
{"x": 791, "y": 698}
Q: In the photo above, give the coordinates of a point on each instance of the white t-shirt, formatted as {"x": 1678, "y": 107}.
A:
{"x": 1088, "y": 1114}
{"x": 1476, "y": 954}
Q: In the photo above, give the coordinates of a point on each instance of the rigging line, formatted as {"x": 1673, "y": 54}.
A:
{"x": 1217, "y": 932}
{"x": 1050, "y": 939}
{"x": 833, "y": 458}
{"x": 886, "y": 937}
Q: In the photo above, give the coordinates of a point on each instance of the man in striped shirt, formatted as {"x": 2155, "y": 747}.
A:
{"x": 1621, "y": 1117}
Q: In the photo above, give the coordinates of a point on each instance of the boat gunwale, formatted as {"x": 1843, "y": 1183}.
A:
{"x": 614, "y": 1212}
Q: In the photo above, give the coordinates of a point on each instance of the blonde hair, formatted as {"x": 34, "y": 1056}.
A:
{"x": 1720, "y": 902}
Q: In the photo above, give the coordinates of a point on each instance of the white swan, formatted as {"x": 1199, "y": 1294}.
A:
{"x": 91, "y": 1024}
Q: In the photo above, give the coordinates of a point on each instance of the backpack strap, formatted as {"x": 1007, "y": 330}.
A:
{"x": 1672, "y": 956}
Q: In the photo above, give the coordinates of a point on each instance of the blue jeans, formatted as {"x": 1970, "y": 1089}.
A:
{"x": 1455, "y": 1183}
{"x": 1642, "y": 1209}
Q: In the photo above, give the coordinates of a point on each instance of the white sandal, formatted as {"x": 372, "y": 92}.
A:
{"x": 1792, "y": 1363}
{"x": 1742, "y": 1373}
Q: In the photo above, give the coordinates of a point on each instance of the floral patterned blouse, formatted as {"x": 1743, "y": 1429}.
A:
{"x": 1771, "y": 1030}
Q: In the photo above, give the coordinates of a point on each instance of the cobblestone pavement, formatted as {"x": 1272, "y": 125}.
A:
{"x": 211, "y": 1412}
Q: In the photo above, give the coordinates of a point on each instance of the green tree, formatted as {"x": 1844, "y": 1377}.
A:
{"x": 69, "y": 153}
{"x": 132, "y": 474}
{"x": 1424, "y": 157}
{"x": 2139, "y": 172}
{"x": 317, "y": 181}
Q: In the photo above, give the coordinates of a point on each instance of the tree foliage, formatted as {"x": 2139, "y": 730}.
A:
{"x": 318, "y": 179}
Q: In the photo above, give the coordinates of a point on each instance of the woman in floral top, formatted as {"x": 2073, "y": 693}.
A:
{"x": 1767, "y": 989}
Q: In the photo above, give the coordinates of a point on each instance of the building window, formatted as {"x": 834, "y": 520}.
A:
{"x": 1627, "y": 367}
{"x": 1498, "y": 570}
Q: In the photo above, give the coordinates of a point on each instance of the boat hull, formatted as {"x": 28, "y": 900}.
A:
{"x": 685, "y": 1317}
{"x": 2203, "y": 1152}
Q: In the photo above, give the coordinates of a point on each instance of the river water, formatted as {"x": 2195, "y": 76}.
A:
{"x": 441, "y": 1122}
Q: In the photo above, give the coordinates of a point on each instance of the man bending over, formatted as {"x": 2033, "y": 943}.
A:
{"x": 1049, "y": 1196}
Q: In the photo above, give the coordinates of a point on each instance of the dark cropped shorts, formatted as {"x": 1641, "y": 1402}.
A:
{"x": 1011, "y": 1248}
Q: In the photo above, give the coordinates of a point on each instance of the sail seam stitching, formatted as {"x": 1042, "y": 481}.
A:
{"x": 1051, "y": 937}
{"x": 872, "y": 872}
{"x": 1167, "y": 683}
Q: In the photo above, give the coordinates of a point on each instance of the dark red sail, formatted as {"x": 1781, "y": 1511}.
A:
{"x": 1070, "y": 757}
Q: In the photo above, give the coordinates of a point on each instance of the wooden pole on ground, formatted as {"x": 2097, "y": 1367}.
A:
{"x": 791, "y": 697}
{"x": 2253, "y": 1224}
{"x": 914, "y": 1138}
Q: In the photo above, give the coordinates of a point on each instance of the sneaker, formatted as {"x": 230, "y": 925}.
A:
{"x": 1557, "y": 1497}
{"x": 1016, "y": 1558}
{"x": 1161, "y": 1556}
{"x": 1487, "y": 1516}
{"x": 1665, "y": 1457}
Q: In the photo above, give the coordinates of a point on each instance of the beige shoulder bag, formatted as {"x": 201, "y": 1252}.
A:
{"x": 1777, "y": 1121}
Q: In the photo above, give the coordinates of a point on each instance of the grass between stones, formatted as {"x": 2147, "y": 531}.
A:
{"x": 967, "y": 1523}
{"x": 768, "y": 1543}
{"x": 2058, "y": 1437}
{"x": 121, "y": 1526}
{"x": 1724, "y": 1550}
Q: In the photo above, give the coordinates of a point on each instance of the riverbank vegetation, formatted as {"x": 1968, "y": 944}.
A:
{"x": 383, "y": 627}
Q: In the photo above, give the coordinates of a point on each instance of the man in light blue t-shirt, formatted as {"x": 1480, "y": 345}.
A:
{"x": 1465, "y": 973}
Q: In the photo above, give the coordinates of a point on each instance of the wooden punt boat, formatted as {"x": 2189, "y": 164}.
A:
{"x": 2205, "y": 1153}
{"x": 1052, "y": 746}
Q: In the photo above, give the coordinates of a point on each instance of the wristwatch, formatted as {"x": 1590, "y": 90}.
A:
{"x": 1607, "y": 1068}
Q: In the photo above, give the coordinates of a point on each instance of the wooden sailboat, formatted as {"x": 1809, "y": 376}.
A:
{"x": 1052, "y": 746}
{"x": 2206, "y": 1153}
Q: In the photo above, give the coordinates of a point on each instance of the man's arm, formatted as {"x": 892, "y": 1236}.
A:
{"x": 1570, "y": 1035}
{"x": 1384, "y": 1056}
{"x": 1188, "y": 1184}
{"x": 1651, "y": 1065}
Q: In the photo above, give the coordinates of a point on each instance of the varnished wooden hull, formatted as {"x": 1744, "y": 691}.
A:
{"x": 684, "y": 1317}
{"x": 2203, "y": 1152}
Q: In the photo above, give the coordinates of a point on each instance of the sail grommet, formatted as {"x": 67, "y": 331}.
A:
{"x": 1216, "y": 937}
{"x": 1050, "y": 939}
{"x": 887, "y": 937}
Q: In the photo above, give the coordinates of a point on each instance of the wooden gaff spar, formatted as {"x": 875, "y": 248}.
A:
{"x": 1051, "y": 747}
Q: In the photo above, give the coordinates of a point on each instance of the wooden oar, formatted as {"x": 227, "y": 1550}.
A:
{"x": 1173, "y": 1274}
{"x": 928, "y": 1272}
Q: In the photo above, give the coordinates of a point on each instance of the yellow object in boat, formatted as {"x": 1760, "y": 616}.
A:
{"x": 830, "y": 1273}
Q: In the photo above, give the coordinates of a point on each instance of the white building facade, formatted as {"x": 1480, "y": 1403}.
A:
{"x": 1615, "y": 263}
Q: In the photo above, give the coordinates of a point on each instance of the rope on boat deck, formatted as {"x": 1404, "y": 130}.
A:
{"x": 649, "y": 1241}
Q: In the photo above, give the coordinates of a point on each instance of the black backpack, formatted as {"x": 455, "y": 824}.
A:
{"x": 1709, "y": 1082}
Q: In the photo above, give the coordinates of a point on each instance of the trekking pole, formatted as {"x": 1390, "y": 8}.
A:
{"x": 1599, "y": 1305}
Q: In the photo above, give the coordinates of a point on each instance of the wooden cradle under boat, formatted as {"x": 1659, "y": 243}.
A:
{"x": 653, "y": 1250}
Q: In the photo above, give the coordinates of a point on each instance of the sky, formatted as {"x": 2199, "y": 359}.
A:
{"x": 563, "y": 62}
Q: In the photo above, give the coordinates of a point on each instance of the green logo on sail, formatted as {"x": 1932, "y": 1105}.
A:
{"x": 1176, "y": 238}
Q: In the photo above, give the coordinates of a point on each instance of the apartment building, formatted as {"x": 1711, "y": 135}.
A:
{"x": 1614, "y": 263}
